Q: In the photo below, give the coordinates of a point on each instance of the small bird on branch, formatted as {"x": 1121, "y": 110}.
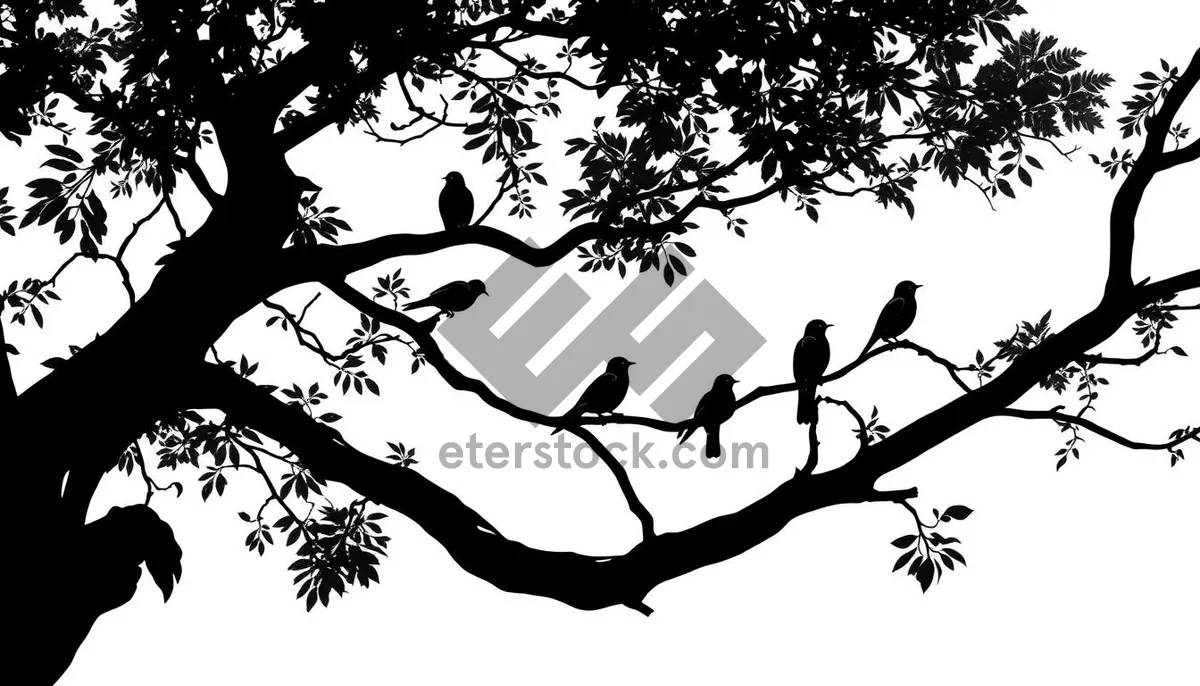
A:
{"x": 809, "y": 362}
{"x": 605, "y": 393}
{"x": 456, "y": 203}
{"x": 897, "y": 315}
{"x": 714, "y": 409}
{"x": 454, "y": 297}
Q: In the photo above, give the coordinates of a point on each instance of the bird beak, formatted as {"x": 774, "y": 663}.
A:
{"x": 632, "y": 363}
{"x": 829, "y": 326}
{"x": 736, "y": 381}
{"x": 917, "y": 286}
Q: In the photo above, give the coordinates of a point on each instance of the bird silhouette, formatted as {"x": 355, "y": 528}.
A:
{"x": 455, "y": 202}
{"x": 897, "y": 315}
{"x": 714, "y": 409}
{"x": 455, "y": 296}
{"x": 808, "y": 365}
{"x": 605, "y": 393}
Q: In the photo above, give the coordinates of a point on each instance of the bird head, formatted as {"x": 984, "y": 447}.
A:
{"x": 816, "y": 327}
{"x": 477, "y": 287}
{"x": 907, "y": 288}
{"x": 617, "y": 364}
{"x": 724, "y": 381}
{"x": 454, "y": 179}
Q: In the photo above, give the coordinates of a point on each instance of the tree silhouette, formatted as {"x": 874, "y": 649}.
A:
{"x": 717, "y": 106}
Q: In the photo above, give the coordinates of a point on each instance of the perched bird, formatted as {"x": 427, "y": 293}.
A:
{"x": 808, "y": 365}
{"x": 455, "y": 296}
{"x": 714, "y": 409}
{"x": 456, "y": 203}
{"x": 605, "y": 393}
{"x": 897, "y": 315}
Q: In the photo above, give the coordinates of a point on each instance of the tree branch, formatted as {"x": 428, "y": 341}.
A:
{"x": 1097, "y": 429}
{"x": 324, "y": 262}
{"x": 864, "y": 438}
{"x": 1174, "y": 158}
{"x": 993, "y": 398}
{"x": 814, "y": 444}
{"x": 635, "y": 504}
{"x": 767, "y": 391}
{"x": 1152, "y": 159}
{"x": 523, "y": 70}
{"x": 199, "y": 179}
{"x": 420, "y": 333}
{"x": 1126, "y": 361}
{"x": 284, "y": 82}
{"x": 137, "y": 225}
{"x": 581, "y": 581}
{"x": 1174, "y": 285}
{"x": 314, "y": 344}
{"x": 1159, "y": 126}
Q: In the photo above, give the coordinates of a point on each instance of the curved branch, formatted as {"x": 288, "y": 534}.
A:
{"x": 581, "y": 581}
{"x": 422, "y": 113}
{"x": 635, "y": 504}
{"x": 992, "y": 399}
{"x": 1123, "y": 361}
{"x": 192, "y": 167}
{"x": 864, "y": 437}
{"x": 1129, "y": 197}
{"x": 122, "y": 270}
{"x": 1097, "y": 429}
{"x": 137, "y": 225}
{"x": 765, "y": 391}
{"x": 319, "y": 263}
{"x": 420, "y": 332}
{"x": 523, "y": 69}
{"x": 313, "y": 342}
{"x": 1159, "y": 126}
{"x": 774, "y": 389}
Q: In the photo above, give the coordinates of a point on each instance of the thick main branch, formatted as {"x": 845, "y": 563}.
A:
{"x": 582, "y": 581}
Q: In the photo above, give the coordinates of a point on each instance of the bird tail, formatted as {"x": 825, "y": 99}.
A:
{"x": 423, "y": 302}
{"x": 712, "y": 444}
{"x": 870, "y": 342}
{"x": 806, "y": 405}
{"x": 573, "y": 413}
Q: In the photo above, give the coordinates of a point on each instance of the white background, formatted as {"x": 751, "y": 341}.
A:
{"x": 1083, "y": 576}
